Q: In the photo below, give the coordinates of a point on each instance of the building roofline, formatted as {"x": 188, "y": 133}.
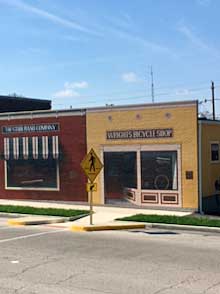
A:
{"x": 82, "y": 111}
{"x": 25, "y": 98}
{"x": 143, "y": 105}
{"x": 208, "y": 121}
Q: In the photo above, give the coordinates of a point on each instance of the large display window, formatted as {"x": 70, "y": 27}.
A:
{"x": 32, "y": 162}
{"x": 32, "y": 174}
{"x": 159, "y": 170}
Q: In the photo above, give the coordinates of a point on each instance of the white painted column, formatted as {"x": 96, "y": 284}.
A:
{"x": 138, "y": 193}
{"x": 102, "y": 179}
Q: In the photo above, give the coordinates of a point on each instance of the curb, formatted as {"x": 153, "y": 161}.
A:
{"x": 183, "y": 227}
{"x": 17, "y": 222}
{"x": 53, "y": 220}
{"x": 11, "y": 215}
{"x": 93, "y": 228}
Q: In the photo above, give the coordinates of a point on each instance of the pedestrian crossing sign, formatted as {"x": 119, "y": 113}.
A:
{"x": 91, "y": 165}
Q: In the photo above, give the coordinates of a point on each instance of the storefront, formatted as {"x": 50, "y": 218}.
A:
{"x": 41, "y": 154}
{"x": 150, "y": 154}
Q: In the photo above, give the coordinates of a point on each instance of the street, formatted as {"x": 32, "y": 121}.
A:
{"x": 51, "y": 259}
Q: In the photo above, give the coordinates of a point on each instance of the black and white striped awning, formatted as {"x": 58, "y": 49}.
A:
{"x": 45, "y": 147}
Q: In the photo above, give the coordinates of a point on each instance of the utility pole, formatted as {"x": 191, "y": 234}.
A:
{"x": 213, "y": 99}
{"x": 152, "y": 84}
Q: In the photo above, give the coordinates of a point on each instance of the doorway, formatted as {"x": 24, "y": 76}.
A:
{"x": 120, "y": 175}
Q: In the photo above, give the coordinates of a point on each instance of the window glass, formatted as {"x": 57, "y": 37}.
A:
{"x": 159, "y": 170}
{"x": 214, "y": 151}
{"x": 120, "y": 169}
{"x": 32, "y": 173}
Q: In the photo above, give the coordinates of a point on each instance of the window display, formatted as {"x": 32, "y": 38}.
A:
{"x": 32, "y": 173}
{"x": 159, "y": 170}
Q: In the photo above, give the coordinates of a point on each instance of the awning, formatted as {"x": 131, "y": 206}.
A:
{"x": 45, "y": 147}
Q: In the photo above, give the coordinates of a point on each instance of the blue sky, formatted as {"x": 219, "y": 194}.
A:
{"x": 94, "y": 52}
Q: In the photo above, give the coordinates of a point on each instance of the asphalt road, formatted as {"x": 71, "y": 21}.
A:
{"x": 52, "y": 260}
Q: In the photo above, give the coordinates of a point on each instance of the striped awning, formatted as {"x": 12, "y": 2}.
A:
{"x": 45, "y": 147}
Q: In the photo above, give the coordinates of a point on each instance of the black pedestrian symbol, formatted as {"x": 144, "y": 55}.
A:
{"x": 92, "y": 162}
{"x": 91, "y": 187}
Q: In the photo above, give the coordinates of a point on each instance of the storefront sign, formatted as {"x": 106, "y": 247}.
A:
{"x": 30, "y": 128}
{"x": 139, "y": 134}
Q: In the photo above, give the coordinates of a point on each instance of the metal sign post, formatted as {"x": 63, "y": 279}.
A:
{"x": 91, "y": 208}
{"x": 91, "y": 166}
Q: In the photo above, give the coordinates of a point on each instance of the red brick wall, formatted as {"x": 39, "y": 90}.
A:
{"x": 72, "y": 137}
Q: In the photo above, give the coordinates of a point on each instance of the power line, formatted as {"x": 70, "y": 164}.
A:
{"x": 172, "y": 92}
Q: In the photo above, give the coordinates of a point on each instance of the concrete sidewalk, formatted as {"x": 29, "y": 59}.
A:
{"x": 102, "y": 214}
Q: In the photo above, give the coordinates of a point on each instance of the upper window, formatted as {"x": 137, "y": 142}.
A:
{"x": 214, "y": 151}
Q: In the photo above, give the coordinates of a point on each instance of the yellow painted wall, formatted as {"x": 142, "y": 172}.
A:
{"x": 183, "y": 120}
{"x": 210, "y": 170}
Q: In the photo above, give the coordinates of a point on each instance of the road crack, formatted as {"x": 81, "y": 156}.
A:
{"x": 188, "y": 280}
{"x": 211, "y": 287}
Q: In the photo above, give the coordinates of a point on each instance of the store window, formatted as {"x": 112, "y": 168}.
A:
{"x": 32, "y": 174}
{"x": 32, "y": 162}
{"x": 214, "y": 152}
{"x": 159, "y": 170}
{"x": 120, "y": 171}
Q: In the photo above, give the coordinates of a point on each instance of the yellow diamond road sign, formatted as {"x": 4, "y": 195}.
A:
{"x": 91, "y": 165}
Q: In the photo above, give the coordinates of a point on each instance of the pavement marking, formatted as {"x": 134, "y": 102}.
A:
{"x": 14, "y": 261}
{"x": 31, "y": 235}
{"x": 4, "y": 228}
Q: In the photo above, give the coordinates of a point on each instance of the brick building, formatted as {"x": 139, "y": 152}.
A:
{"x": 154, "y": 155}
{"x": 41, "y": 154}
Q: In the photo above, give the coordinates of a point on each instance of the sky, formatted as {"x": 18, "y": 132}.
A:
{"x": 85, "y": 53}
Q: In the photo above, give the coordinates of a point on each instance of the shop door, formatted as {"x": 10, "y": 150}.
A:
{"x": 120, "y": 173}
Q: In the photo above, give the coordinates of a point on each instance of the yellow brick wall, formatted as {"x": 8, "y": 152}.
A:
{"x": 210, "y": 171}
{"x": 183, "y": 120}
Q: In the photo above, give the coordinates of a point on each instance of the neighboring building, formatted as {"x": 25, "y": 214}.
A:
{"x": 15, "y": 104}
{"x": 41, "y": 154}
{"x": 209, "y": 142}
{"x": 151, "y": 155}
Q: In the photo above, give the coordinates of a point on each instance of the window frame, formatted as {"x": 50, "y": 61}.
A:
{"x": 146, "y": 147}
{"x": 177, "y": 171}
{"x": 34, "y": 188}
{"x": 210, "y": 152}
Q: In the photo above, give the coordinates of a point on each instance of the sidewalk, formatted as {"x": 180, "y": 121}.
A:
{"x": 102, "y": 214}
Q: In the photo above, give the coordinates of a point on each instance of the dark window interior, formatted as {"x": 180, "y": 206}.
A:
{"x": 32, "y": 173}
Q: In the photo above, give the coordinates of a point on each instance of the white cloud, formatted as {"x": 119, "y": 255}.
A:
{"x": 66, "y": 93}
{"x": 49, "y": 16}
{"x": 129, "y": 77}
{"x": 191, "y": 36}
{"x": 201, "y": 44}
{"x": 182, "y": 92}
{"x": 134, "y": 38}
{"x": 203, "y": 2}
{"x": 69, "y": 90}
{"x": 76, "y": 85}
